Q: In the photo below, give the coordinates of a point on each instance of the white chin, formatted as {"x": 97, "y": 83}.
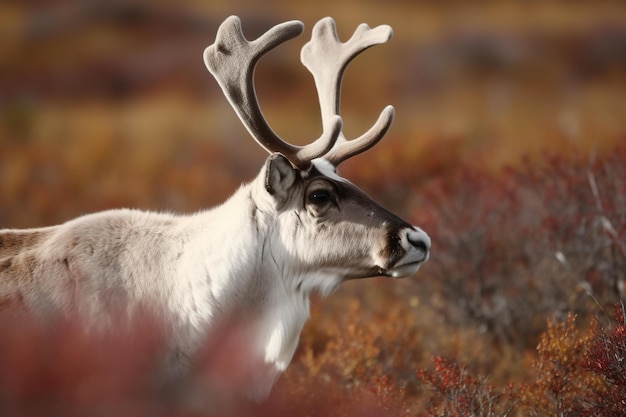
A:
{"x": 404, "y": 271}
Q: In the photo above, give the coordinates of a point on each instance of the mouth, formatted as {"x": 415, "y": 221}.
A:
{"x": 404, "y": 270}
{"x": 409, "y": 264}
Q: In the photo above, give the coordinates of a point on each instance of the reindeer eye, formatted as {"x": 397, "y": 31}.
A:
{"x": 320, "y": 197}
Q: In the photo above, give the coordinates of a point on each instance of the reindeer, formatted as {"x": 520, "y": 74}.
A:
{"x": 298, "y": 227}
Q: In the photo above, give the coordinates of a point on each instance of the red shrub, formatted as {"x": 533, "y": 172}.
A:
{"x": 606, "y": 358}
{"x": 559, "y": 381}
{"x": 65, "y": 370}
{"x": 579, "y": 372}
{"x": 454, "y": 391}
{"x": 552, "y": 230}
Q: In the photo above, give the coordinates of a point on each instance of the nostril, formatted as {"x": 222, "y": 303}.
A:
{"x": 419, "y": 240}
{"x": 419, "y": 244}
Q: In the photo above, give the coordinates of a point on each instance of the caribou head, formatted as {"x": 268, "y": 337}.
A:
{"x": 328, "y": 225}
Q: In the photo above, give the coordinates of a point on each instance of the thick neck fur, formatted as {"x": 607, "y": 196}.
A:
{"x": 249, "y": 270}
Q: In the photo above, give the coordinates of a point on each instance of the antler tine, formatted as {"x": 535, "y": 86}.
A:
{"x": 232, "y": 59}
{"x": 327, "y": 58}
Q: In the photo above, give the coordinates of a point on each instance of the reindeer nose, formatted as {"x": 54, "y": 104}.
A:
{"x": 420, "y": 241}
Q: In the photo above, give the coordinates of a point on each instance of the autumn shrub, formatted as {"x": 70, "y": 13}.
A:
{"x": 605, "y": 358}
{"x": 63, "y": 369}
{"x": 560, "y": 382}
{"x": 551, "y": 232}
{"x": 454, "y": 391}
{"x": 579, "y": 370}
{"x": 354, "y": 354}
{"x": 510, "y": 249}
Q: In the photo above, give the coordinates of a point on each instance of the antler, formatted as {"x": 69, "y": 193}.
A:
{"x": 327, "y": 58}
{"x": 232, "y": 59}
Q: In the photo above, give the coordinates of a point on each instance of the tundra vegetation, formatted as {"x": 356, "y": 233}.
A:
{"x": 507, "y": 149}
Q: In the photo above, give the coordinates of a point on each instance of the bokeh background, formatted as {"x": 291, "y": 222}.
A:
{"x": 507, "y": 147}
{"x": 107, "y": 103}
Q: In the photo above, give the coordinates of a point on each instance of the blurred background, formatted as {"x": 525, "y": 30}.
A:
{"x": 108, "y": 103}
{"x": 507, "y": 148}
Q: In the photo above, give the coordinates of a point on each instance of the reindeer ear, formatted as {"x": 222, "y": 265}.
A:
{"x": 280, "y": 175}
